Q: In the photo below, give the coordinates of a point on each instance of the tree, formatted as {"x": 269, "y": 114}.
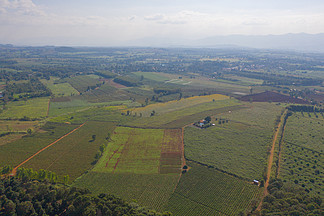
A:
{"x": 93, "y": 137}
{"x": 153, "y": 113}
{"x": 66, "y": 179}
{"x": 29, "y": 131}
{"x": 208, "y": 119}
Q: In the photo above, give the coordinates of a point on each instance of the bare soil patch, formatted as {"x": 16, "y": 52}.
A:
{"x": 116, "y": 85}
{"x": 270, "y": 96}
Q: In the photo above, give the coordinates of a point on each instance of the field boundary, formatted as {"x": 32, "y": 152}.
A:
{"x": 219, "y": 170}
{"x": 303, "y": 147}
{"x": 48, "y": 107}
{"x": 284, "y": 124}
{"x": 14, "y": 171}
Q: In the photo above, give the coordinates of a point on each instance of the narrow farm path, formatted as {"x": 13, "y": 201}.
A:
{"x": 14, "y": 171}
{"x": 270, "y": 161}
{"x": 48, "y": 107}
{"x": 183, "y": 160}
{"x": 280, "y": 150}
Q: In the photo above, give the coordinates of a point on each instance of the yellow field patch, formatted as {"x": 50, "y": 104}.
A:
{"x": 177, "y": 104}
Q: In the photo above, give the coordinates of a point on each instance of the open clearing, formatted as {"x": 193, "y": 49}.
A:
{"x": 33, "y": 108}
{"x": 74, "y": 105}
{"x": 16, "y": 126}
{"x": 81, "y": 83}
{"x": 59, "y": 89}
{"x": 178, "y": 104}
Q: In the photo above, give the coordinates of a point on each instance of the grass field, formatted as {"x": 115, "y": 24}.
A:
{"x": 75, "y": 105}
{"x": 59, "y": 89}
{"x": 74, "y": 154}
{"x": 199, "y": 82}
{"x": 81, "y": 83}
{"x": 19, "y": 150}
{"x": 109, "y": 113}
{"x": 10, "y": 138}
{"x": 302, "y": 152}
{"x": 204, "y": 191}
{"x": 132, "y": 151}
{"x": 150, "y": 190}
{"x": 152, "y": 76}
{"x": 141, "y": 151}
{"x": 17, "y": 126}
{"x": 184, "y": 116}
{"x": 178, "y": 104}
{"x": 134, "y": 166}
{"x": 239, "y": 146}
{"x": 33, "y": 108}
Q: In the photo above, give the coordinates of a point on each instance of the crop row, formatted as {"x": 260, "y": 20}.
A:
{"x": 212, "y": 190}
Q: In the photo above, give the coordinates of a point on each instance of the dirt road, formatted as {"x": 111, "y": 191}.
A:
{"x": 270, "y": 161}
{"x": 14, "y": 171}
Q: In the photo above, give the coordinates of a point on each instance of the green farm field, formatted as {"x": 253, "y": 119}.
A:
{"x": 221, "y": 86}
{"x": 59, "y": 89}
{"x": 150, "y": 190}
{"x": 33, "y": 108}
{"x": 238, "y": 146}
{"x": 81, "y": 83}
{"x": 17, "y": 126}
{"x": 175, "y": 105}
{"x": 306, "y": 130}
{"x": 74, "y": 154}
{"x": 132, "y": 150}
{"x": 140, "y": 151}
{"x": 152, "y": 76}
{"x": 77, "y": 105}
{"x": 138, "y": 164}
{"x": 302, "y": 152}
{"x": 206, "y": 191}
{"x": 15, "y": 152}
{"x": 107, "y": 113}
{"x": 185, "y": 116}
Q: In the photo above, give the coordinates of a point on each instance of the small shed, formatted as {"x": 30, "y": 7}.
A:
{"x": 256, "y": 182}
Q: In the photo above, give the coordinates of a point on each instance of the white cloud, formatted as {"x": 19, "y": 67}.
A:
{"x": 22, "y": 19}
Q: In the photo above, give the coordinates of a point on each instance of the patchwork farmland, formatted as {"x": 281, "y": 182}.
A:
{"x": 142, "y": 151}
{"x": 186, "y": 131}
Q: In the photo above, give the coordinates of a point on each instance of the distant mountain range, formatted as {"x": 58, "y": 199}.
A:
{"x": 297, "y": 42}
{"x": 292, "y": 42}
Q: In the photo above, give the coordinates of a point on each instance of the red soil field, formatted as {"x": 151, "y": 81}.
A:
{"x": 116, "y": 85}
{"x": 270, "y": 96}
{"x": 171, "y": 154}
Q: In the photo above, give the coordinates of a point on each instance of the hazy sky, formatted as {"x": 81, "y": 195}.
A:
{"x": 111, "y": 22}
